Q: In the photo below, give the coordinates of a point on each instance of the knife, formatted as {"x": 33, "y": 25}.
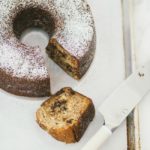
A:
{"x": 117, "y": 107}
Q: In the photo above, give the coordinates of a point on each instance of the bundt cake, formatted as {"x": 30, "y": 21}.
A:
{"x": 70, "y": 26}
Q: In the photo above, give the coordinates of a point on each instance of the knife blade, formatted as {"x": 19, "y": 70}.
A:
{"x": 117, "y": 107}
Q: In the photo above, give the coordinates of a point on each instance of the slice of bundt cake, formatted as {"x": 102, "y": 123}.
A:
{"x": 66, "y": 115}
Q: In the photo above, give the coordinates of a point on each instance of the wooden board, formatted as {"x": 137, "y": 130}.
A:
{"x": 133, "y": 133}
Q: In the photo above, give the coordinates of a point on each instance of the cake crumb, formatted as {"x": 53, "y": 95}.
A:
{"x": 141, "y": 74}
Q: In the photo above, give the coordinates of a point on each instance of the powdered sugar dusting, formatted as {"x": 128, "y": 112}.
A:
{"x": 74, "y": 31}
{"x": 77, "y": 44}
{"x": 78, "y": 32}
{"x": 20, "y": 64}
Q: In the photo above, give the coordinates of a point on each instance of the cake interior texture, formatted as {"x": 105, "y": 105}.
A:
{"x": 66, "y": 115}
{"x": 67, "y": 62}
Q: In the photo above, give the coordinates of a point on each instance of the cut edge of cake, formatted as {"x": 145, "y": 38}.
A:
{"x": 66, "y": 115}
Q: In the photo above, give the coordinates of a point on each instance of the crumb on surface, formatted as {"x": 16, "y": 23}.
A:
{"x": 141, "y": 74}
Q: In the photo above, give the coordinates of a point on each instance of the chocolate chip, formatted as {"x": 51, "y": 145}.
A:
{"x": 69, "y": 121}
{"x": 72, "y": 92}
{"x": 64, "y": 108}
{"x": 59, "y": 104}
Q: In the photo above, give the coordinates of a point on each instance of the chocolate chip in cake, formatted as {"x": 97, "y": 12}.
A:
{"x": 59, "y": 104}
{"x": 69, "y": 121}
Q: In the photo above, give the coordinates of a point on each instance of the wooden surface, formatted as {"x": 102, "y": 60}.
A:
{"x": 141, "y": 23}
{"x": 133, "y": 132}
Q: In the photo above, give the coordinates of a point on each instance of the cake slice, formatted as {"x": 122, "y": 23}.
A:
{"x": 66, "y": 115}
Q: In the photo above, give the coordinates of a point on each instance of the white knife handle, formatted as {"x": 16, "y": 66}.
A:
{"x": 98, "y": 139}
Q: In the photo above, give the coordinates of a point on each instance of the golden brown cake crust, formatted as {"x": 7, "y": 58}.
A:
{"x": 25, "y": 87}
{"x": 71, "y": 132}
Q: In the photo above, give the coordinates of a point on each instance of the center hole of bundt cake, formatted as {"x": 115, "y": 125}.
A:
{"x": 33, "y": 19}
{"x": 35, "y": 37}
